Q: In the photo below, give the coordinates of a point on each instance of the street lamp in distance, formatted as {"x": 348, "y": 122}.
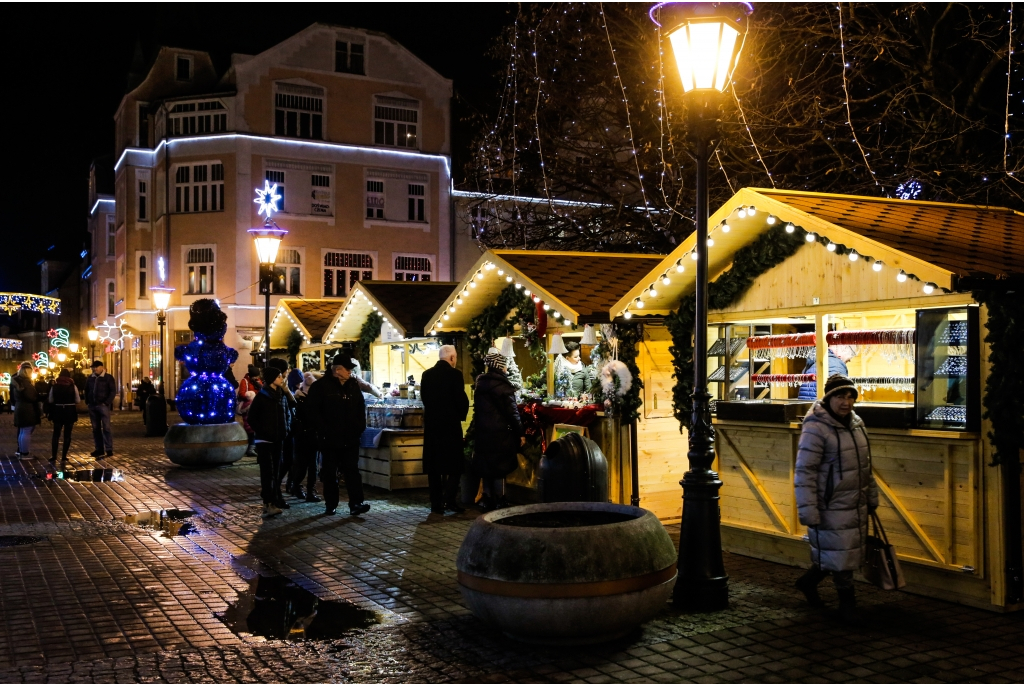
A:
{"x": 267, "y": 239}
{"x": 93, "y": 335}
{"x": 706, "y": 39}
{"x": 161, "y": 300}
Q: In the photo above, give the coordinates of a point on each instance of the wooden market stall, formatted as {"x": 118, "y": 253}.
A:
{"x": 383, "y": 321}
{"x": 798, "y": 277}
{"x": 311, "y": 320}
{"x": 567, "y": 290}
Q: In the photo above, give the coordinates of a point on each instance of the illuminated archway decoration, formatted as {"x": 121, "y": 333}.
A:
{"x": 10, "y": 344}
{"x": 24, "y": 302}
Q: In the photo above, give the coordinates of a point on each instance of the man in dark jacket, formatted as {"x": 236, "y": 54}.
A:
{"x": 338, "y": 414}
{"x": 445, "y": 406}
{"x": 266, "y": 418}
{"x": 497, "y": 431}
{"x": 100, "y": 391}
{"x": 288, "y": 442}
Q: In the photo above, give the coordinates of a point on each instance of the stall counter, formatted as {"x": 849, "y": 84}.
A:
{"x": 397, "y": 461}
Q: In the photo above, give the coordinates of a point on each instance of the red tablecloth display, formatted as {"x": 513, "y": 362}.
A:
{"x": 536, "y": 417}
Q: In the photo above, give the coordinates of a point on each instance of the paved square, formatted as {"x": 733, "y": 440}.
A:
{"x": 96, "y": 599}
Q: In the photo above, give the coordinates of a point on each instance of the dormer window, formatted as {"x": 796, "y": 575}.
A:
{"x": 183, "y": 68}
{"x": 190, "y": 118}
{"x": 299, "y": 111}
{"x": 349, "y": 58}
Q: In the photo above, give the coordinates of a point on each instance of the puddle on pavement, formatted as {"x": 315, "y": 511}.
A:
{"x": 275, "y": 607}
{"x": 96, "y": 475}
{"x": 18, "y": 540}
{"x": 170, "y": 521}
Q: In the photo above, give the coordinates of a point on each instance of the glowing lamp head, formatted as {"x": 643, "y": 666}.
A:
{"x": 705, "y": 39}
{"x": 161, "y": 297}
{"x": 93, "y": 334}
{"x": 73, "y": 348}
{"x": 61, "y": 357}
{"x": 268, "y": 239}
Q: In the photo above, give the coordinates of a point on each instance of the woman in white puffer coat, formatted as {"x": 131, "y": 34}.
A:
{"x": 835, "y": 491}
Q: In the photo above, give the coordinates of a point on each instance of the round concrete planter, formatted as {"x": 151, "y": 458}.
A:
{"x": 205, "y": 446}
{"x": 567, "y": 572}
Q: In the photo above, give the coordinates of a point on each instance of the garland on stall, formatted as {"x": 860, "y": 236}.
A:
{"x": 629, "y": 337}
{"x": 749, "y": 262}
{"x": 1004, "y": 388}
{"x": 367, "y": 335}
{"x": 293, "y": 346}
{"x": 494, "y": 322}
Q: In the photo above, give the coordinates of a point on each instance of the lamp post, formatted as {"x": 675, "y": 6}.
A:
{"x": 161, "y": 299}
{"x": 93, "y": 335}
{"x": 267, "y": 239}
{"x": 705, "y": 39}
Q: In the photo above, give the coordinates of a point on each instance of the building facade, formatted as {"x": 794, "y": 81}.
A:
{"x": 352, "y": 128}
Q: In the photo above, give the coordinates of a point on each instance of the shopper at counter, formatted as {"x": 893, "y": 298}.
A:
{"x": 445, "y": 406}
{"x": 498, "y": 430}
{"x": 835, "y": 491}
{"x": 837, "y": 358}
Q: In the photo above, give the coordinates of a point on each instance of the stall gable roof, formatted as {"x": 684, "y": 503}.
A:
{"x": 309, "y": 317}
{"x": 963, "y": 239}
{"x": 577, "y": 285}
{"x": 405, "y": 306}
{"x": 878, "y": 227}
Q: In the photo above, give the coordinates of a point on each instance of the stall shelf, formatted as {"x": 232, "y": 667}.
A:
{"x": 883, "y": 275}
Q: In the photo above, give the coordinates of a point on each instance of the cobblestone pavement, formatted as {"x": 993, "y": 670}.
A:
{"x": 94, "y": 598}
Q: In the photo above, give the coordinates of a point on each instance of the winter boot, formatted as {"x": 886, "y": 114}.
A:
{"x": 847, "y": 604}
{"x": 808, "y": 584}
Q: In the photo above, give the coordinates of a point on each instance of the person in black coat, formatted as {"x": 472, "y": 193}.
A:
{"x": 497, "y": 431}
{"x": 304, "y": 432}
{"x": 145, "y": 390}
{"x": 288, "y": 443}
{"x": 100, "y": 391}
{"x": 445, "y": 406}
{"x": 27, "y": 409}
{"x": 266, "y": 418}
{"x": 63, "y": 412}
{"x": 338, "y": 413}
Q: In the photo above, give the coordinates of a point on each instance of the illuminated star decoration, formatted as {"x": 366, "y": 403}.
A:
{"x": 267, "y": 199}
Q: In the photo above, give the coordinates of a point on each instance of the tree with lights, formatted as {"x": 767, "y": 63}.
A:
{"x": 887, "y": 100}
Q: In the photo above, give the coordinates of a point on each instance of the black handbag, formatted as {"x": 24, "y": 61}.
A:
{"x": 881, "y": 567}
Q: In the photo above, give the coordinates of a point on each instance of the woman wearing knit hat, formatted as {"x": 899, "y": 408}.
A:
{"x": 835, "y": 491}
{"x": 498, "y": 430}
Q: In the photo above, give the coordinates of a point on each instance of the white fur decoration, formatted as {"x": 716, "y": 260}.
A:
{"x": 608, "y": 382}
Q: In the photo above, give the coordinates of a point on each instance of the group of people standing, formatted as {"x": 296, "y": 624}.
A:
{"x": 58, "y": 401}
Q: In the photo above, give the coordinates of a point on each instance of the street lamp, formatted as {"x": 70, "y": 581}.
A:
{"x": 705, "y": 38}
{"x": 94, "y": 335}
{"x": 267, "y": 239}
{"x": 161, "y": 299}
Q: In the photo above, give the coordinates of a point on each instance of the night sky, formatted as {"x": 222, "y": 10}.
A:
{"x": 69, "y": 67}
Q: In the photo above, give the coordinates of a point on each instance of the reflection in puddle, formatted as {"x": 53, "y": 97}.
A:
{"x": 96, "y": 475}
{"x": 275, "y": 607}
{"x": 170, "y": 521}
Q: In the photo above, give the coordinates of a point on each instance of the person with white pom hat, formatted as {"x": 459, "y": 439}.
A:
{"x": 498, "y": 430}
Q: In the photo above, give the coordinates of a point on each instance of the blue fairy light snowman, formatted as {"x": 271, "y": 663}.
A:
{"x": 205, "y": 397}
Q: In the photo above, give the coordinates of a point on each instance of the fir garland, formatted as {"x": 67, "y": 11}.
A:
{"x": 749, "y": 262}
{"x": 293, "y": 346}
{"x": 629, "y": 336}
{"x": 1004, "y": 388}
{"x": 367, "y": 335}
{"x": 494, "y": 322}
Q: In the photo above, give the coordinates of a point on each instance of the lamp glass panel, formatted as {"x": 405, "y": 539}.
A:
{"x": 704, "y": 54}
{"x": 266, "y": 248}
{"x": 161, "y": 298}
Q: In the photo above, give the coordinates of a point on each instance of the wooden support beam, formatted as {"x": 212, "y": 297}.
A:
{"x": 756, "y": 483}
{"x": 907, "y": 517}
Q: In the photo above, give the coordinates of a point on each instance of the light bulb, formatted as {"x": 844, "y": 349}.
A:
{"x": 501, "y": 272}
{"x": 771, "y": 220}
{"x": 546, "y": 306}
{"x": 679, "y": 267}
{"x": 508, "y": 279}
{"x": 877, "y": 266}
{"x": 472, "y": 284}
{"x": 726, "y": 227}
{"x": 458, "y": 300}
{"x": 853, "y": 255}
{"x": 831, "y": 247}
{"x": 446, "y": 317}
{"x": 928, "y": 288}
{"x": 465, "y": 293}
{"x": 652, "y": 291}
{"x": 479, "y": 275}
{"x": 665, "y": 280}
{"x": 519, "y": 286}
{"x": 901, "y": 276}
{"x": 751, "y": 210}
{"x": 556, "y": 315}
{"x": 526, "y": 292}
{"x": 627, "y": 314}
{"x": 711, "y": 242}
{"x": 811, "y": 237}
{"x": 536, "y": 299}
{"x": 452, "y": 309}
{"x": 742, "y": 213}
{"x": 639, "y": 304}
{"x": 790, "y": 228}
{"x": 693, "y": 255}
{"x": 439, "y": 326}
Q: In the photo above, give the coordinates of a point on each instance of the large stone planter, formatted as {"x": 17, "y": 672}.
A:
{"x": 205, "y": 446}
{"x": 567, "y": 572}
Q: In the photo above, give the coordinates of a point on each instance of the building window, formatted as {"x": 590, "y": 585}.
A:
{"x": 190, "y": 118}
{"x": 143, "y": 125}
{"x": 111, "y": 236}
{"x": 277, "y": 177}
{"x": 199, "y": 264}
{"x": 412, "y": 268}
{"x": 287, "y": 273}
{"x": 298, "y": 112}
{"x": 375, "y": 199}
{"x": 143, "y": 196}
{"x": 143, "y": 277}
{"x": 342, "y": 270}
{"x": 416, "y": 193}
{"x": 199, "y": 188}
{"x": 348, "y": 57}
{"x": 320, "y": 195}
{"x": 111, "y": 298}
{"x": 183, "y": 68}
{"x": 395, "y": 122}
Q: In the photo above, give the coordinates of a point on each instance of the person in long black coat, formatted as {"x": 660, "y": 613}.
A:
{"x": 497, "y": 431}
{"x": 445, "y": 406}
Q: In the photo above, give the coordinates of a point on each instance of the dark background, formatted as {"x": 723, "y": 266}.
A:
{"x": 68, "y": 68}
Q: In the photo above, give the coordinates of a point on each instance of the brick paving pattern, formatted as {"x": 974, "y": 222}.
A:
{"x": 96, "y": 599}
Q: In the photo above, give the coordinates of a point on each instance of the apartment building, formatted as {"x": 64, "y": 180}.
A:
{"x": 352, "y": 128}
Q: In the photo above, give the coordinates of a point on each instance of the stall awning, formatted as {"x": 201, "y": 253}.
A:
{"x": 580, "y": 286}
{"x": 404, "y": 306}
{"x": 934, "y": 241}
{"x": 310, "y": 318}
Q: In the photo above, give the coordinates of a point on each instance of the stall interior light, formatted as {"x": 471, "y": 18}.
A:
{"x": 546, "y": 306}
{"x": 627, "y": 314}
{"x": 639, "y": 303}
{"x": 508, "y": 279}
{"x": 790, "y": 228}
{"x": 771, "y": 220}
{"x": 742, "y": 213}
{"x": 536, "y": 299}
{"x": 458, "y": 300}
{"x": 652, "y": 291}
{"x": 877, "y": 266}
{"x": 901, "y": 276}
{"x": 465, "y": 293}
{"x": 853, "y": 255}
{"x": 472, "y": 284}
{"x": 726, "y": 227}
{"x": 711, "y": 242}
{"x": 693, "y": 255}
{"x": 679, "y": 266}
{"x": 928, "y": 288}
{"x": 831, "y": 247}
{"x": 665, "y": 280}
{"x": 519, "y": 286}
{"x": 811, "y": 237}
